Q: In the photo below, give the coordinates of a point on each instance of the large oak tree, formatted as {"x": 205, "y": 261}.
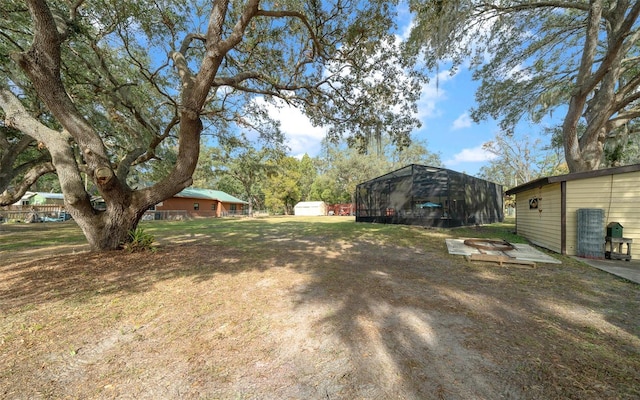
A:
{"x": 534, "y": 56}
{"x": 108, "y": 87}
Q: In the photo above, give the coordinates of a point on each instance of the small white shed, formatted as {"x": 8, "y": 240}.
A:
{"x": 310, "y": 208}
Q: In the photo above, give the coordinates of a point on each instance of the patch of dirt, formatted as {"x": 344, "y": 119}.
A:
{"x": 312, "y": 319}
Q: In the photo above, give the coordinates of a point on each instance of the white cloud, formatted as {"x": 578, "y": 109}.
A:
{"x": 405, "y": 20}
{"x": 406, "y": 31}
{"x": 300, "y": 135}
{"x": 476, "y": 154}
{"x": 463, "y": 121}
{"x": 431, "y": 93}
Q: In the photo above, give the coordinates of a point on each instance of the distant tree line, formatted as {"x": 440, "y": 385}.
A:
{"x": 271, "y": 180}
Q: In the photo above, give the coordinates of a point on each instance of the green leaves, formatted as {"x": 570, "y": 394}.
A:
{"x": 342, "y": 169}
{"x": 534, "y": 57}
{"x": 139, "y": 240}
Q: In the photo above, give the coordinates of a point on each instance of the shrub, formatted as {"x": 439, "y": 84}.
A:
{"x": 139, "y": 240}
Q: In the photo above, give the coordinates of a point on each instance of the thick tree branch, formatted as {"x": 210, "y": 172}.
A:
{"x": 17, "y": 117}
{"x": 73, "y": 9}
{"x": 236, "y": 79}
{"x": 42, "y": 64}
{"x": 155, "y": 142}
{"x": 614, "y": 49}
{"x": 125, "y": 164}
{"x": 585, "y": 80}
{"x": 12, "y": 195}
{"x": 302, "y": 18}
{"x": 186, "y": 42}
{"x": 184, "y": 72}
{"x": 628, "y": 95}
{"x": 249, "y": 11}
{"x": 9, "y": 153}
{"x": 623, "y": 118}
{"x": 533, "y": 5}
{"x": 57, "y": 143}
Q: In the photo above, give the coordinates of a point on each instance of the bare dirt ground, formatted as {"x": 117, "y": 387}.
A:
{"x": 312, "y": 318}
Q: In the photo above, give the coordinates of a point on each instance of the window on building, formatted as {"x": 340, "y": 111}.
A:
{"x": 196, "y": 206}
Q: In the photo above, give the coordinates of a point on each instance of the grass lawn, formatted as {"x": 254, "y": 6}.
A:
{"x": 292, "y": 308}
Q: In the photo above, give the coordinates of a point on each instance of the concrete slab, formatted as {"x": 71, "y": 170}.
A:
{"x": 521, "y": 252}
{"x": 629, "y": 270}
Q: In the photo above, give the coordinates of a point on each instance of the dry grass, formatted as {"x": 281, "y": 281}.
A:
{"x": 320, "y": 308}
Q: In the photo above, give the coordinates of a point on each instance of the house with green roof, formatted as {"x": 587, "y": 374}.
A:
{"x": 203, "y": 203}
{"x": 41, "y": 198}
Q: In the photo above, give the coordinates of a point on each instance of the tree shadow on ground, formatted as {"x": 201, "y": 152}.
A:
{"x": 94, "y": 274}
{"x": 426, "y": 324}
{"x": 395, "y": 321}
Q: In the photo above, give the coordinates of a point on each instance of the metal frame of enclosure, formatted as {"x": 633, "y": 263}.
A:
{"x": 429, "y": 196}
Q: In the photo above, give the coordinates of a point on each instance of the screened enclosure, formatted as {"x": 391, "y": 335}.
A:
{"x": 429, "y": 196}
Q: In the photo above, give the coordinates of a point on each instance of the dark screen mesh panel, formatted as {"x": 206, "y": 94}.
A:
{"x": 429, "y": 196}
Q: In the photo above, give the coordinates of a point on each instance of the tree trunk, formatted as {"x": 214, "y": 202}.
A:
{"x": 596, "y": 95}
{"x": 108, "y": 230}
{"x": 250, "y": 207}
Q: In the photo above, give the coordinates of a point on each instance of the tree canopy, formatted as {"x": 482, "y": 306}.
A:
{"x": 342, "y": 169}
{"x": 102, "y": 89}
{"x": 532, "y": 57}
{"x": 519, "y": 159}
{"x": 240, "y": 167}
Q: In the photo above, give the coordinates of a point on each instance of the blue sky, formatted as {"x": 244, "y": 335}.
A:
{"x": 447, "y": 126}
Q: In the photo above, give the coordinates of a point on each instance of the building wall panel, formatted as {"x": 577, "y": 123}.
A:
{"x": 617, "y": 195}
{"x": 206, "y": 208}
{"x": 584, "y": 193}
{"x": 542, "y": 224}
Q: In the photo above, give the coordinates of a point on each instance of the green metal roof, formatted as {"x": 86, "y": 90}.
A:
{"x": 209, "y": 194}
{"x": 47, "y": 195}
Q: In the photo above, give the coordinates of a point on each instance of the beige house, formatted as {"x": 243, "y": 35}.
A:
{"x": 547, "y": 208}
